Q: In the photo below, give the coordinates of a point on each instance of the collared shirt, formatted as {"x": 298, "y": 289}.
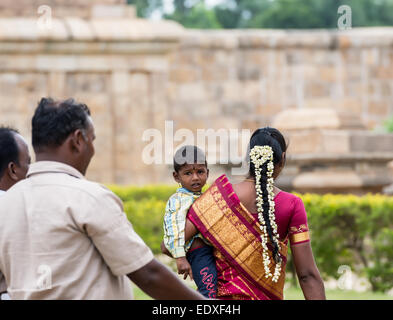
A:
{"x": 175, "y": 221}
{"x": 64, "y": 237}
{"x": 3, "y": 285}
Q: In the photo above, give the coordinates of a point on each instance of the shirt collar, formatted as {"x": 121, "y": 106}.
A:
{"x": 53, "y": 167}
{"x": 184, "y": 190}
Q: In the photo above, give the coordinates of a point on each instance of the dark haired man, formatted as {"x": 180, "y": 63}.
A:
{"x": 68, "y": 238}
{"x": 14, "y": 163}
{"x": 14, "y": 158}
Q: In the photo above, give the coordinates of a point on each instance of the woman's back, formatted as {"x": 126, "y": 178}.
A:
{"x": 290, "y": 213}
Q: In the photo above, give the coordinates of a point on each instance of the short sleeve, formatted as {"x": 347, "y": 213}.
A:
{"x": 174, "y": 224}
{"x": 114, "y": 237}
{"x": 298, "y": 227}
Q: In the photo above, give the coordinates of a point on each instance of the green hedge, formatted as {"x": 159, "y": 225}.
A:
{"x": 148, "y": 192}
{"x": 345, "y": 229}
{"x": 147, "y": 218}
{"x": 356, "y": 231}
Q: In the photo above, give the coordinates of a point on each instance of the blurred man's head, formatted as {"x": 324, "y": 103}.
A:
{"x": 63, "y": 131}
{"x": 14, "y": 157}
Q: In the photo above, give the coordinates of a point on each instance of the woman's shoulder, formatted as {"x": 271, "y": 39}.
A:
{"x": 289, "y": 197}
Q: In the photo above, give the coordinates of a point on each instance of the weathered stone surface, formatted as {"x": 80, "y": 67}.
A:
{"x": 318, "y": 118}
{"x": 327, "y": 180}
{"x": 113, "y": 11}
{"x": 389, "y": 189}
{"x": 371, "y": 142}
{"x": 390, "y": 166}
{"x": 323, "y": 141}
{"x": 28, "y": 29}
{"x": 357, "y": 173}
{"x": 135, "y": 74}
{"x": 103, "y": 29}
{"x": 79, "y": 28}
{"x": 326, "y": 155}
{"x": 76, "y": 8}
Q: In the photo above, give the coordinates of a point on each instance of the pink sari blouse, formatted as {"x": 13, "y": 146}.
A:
{"x": 291, "y": 218}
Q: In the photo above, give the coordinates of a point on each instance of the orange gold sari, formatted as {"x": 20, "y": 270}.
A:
{"x": 235, "y": 235}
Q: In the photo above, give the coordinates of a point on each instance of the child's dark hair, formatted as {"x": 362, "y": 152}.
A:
{"x": 188, "y": 155}
{"x": 273, "y": 138}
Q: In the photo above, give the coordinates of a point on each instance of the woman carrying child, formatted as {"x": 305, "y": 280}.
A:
{"x": 249, "y": 225}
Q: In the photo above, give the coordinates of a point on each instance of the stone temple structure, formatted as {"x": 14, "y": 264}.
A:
{"x": 331, "y": 151}
{"x": 154, "y": 83}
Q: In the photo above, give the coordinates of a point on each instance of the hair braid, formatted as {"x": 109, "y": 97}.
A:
{"x": 266, "y": 208}
{"x": 266, "y": 150}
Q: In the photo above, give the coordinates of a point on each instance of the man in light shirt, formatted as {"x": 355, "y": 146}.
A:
{"x": 14, "y": 163}
{"x": 67, "y": 237}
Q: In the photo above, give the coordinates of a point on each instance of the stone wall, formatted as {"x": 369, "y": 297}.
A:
{"x": 135, "y": 74}
{"x": 60, "y": 8}
{"x": 329, "y": 151}
{"x": 250, "y": 76}
{"x": 118, "y": 67}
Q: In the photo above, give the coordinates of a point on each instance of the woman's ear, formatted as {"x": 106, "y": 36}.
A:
{"x": 283, "y": 159}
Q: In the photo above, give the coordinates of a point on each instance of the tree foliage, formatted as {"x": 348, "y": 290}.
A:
{"x": 145, "y": 8}
{"x": 296, "y": 14}
{"x": 195, "y": 16}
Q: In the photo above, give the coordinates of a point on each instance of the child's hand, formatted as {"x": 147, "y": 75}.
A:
{"x": 183, "y": 267}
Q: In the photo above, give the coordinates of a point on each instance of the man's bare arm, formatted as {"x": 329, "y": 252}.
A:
{"x": 160, "y": 283}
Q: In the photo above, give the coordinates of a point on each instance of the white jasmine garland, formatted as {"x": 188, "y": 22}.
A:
{"x": 259, "y": 155}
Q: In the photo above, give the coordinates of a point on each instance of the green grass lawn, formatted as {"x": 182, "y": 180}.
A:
{"x": 297, "y": 294}
{"x": 290, "y": 292}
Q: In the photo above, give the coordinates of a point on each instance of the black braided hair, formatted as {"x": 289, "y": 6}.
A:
{"x": 268, "y": 137}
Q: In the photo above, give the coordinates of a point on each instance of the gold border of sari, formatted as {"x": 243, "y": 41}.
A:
{"x": 239, "y": 244}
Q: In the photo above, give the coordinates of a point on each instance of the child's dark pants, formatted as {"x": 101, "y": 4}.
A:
{"x": 204, "y": 270}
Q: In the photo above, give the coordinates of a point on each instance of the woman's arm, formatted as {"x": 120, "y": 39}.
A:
{"x": 164, "y": 250}
{"x": 309, "y": 278}
{"x": 190, "y": 230}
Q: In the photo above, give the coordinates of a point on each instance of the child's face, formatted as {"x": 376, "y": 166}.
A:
{"x": 192, "y": 176}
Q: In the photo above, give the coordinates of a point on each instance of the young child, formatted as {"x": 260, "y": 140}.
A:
{"x": 194, "y": 258}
